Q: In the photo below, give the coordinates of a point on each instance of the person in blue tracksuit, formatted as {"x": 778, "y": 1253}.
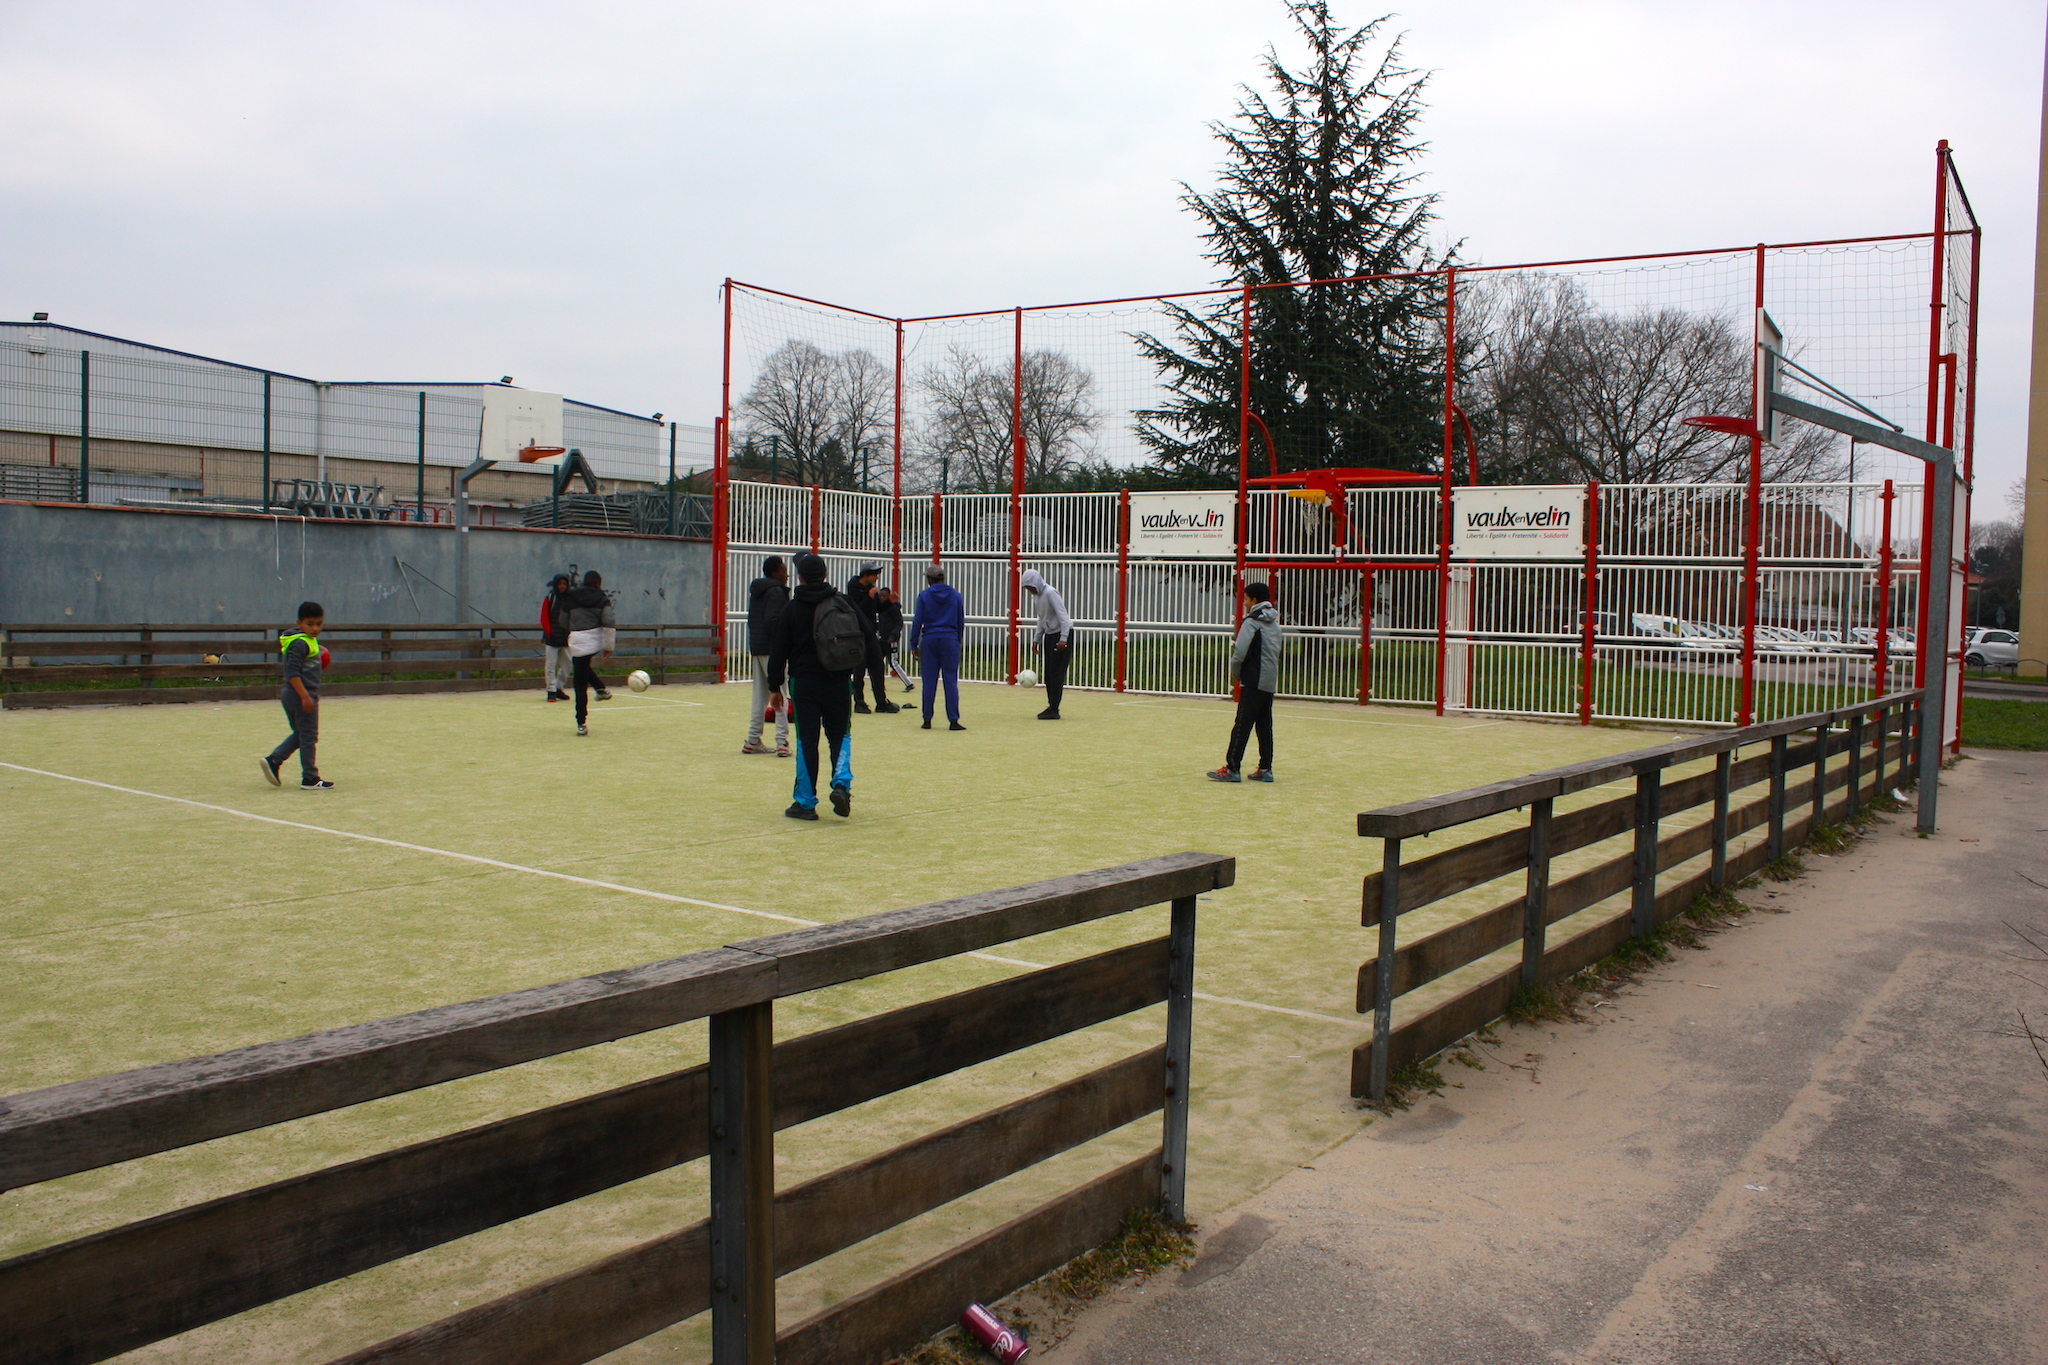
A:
{"x": 936, "y": 629}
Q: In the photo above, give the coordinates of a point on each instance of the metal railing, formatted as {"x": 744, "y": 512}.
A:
{"x": 115, "y": 1291}
{"x": 1869, "y": 739}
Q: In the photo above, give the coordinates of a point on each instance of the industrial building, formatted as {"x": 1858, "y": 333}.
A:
{"x": 94, "y": 418}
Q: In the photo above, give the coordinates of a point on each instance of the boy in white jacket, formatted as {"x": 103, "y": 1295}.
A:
{"x": 593, "y": 631}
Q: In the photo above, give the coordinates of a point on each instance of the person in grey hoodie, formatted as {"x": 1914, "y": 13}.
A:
{"x": 1055, "y": 639}
{"x": 1255, "y": 664}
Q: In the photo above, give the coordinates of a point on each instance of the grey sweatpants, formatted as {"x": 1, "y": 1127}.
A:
{"x": 558, "y": 668}
{"x": 305, "y": 736}
{"x": 759, "y": 715}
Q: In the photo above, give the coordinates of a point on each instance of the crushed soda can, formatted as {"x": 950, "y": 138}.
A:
{"x": 1004, "y": 1343}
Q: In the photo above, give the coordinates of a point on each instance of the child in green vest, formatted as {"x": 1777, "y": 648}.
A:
{"x": 301, "y": 697}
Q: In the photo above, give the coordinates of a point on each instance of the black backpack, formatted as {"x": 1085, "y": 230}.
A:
{"x": 836, "y": 634}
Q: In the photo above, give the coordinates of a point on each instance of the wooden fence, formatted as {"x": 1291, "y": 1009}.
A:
{"x": 114, "y": 1291}
{"x": 1878, "y": 731}
{"x": 167, "y": 663}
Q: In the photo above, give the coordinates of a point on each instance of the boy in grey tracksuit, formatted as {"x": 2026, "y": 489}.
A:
{"x": 1255, "y": 664}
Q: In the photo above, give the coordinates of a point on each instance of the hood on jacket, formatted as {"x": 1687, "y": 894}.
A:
{"x": 586, "y": 597}
{"x": 1032, "y": 581}
{"x": 1263, "y": 612}
{"x": 814, "y": 592}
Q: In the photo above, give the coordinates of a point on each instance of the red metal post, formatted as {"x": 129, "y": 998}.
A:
{"x": 1753, "y": 532}
{"x": 817, "y": 515}
{"x": 1123, "y": 579}
{"x": 1016, "y": 488}
{"x": 1935, "y": 302}
{"x": 896, "y": 479}
{"x": 721, "y": 432}
{"x": 938, "y": 524}
{"x": 1443, "y": 548}
{"x": 1587, "y": 628}
{"x": 1244, "y": 455}
{"x": 1881, "y": 668}
{"x": 1365, "y": 604}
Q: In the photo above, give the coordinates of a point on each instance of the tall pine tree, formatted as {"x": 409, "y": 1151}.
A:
{"x": 1319, "y": 184}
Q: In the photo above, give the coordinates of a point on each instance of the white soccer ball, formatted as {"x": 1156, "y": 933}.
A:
{"x": 1027, "y": 678}
{"x": 638, "y": 680}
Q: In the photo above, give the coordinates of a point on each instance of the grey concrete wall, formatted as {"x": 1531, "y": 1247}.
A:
{"x": 126, "y": 565}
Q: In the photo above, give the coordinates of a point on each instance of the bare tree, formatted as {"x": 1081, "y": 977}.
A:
{"x": 1562, "y": 391}
{"x": 822, "y": 408}
{"x": 972, "y": 402}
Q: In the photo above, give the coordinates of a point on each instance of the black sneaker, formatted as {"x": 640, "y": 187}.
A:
{"x": 861, "y": 708}
{"x": 1048, "y": 714}
{"x": 321, "y": 785}
{"x": 799, "y": 812}
{"x": 604, "y": 696}
{"x": 927, "y": 725}
{"x": 955, "y": 725}
{"x": 842, "y": 802}
{"x": 581, "y": 728}
{"x": 886, "y": 708}
{"x": 270, "y": 773}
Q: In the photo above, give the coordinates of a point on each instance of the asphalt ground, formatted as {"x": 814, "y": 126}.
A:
{"x": 1821, "y": 1138}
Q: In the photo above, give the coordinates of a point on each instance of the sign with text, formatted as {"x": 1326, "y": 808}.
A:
{"x": 1184, "y": 525}
{"x": 1528, "y": 522}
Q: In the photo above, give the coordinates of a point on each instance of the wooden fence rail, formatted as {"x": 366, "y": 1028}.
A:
{"x": 367, "y": 659}
{"x": 1799, "y": 781}
{"x": 101, "y": 1295}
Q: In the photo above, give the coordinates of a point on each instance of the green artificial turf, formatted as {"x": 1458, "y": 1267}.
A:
{"x": 138, "y": 929}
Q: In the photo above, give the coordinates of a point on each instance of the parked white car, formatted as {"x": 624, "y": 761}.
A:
{"x": 1993, "y": 649}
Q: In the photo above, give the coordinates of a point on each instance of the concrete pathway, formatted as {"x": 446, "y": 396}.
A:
{"x": 1822, "y": 1138}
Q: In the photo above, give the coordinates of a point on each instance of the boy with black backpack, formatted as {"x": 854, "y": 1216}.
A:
{"x": 819, "y": 642}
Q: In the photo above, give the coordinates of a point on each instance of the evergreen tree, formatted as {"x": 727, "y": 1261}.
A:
{"x": 1319, "y": 184}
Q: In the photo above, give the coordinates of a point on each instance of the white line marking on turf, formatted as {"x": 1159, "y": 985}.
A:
{"x": 1310, "y": 715}
{"x": 418, "y": 848}
{"x": 592, "y": 881}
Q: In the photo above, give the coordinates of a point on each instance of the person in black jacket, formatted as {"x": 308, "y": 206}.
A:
{"x": 823, "y": 698}
{"x": 554, "y": 629}
{"x": 767, "y": 597}
{"x": 860, "y": 590}
{"x": 889, "y": 629}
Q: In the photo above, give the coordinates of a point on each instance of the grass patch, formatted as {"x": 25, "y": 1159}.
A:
{"x": 2005, "y": 723}
{"x": 1410, "y": 1084}
{"x": 1145, "y": 1245}
{"x": 1535, "y": 1005}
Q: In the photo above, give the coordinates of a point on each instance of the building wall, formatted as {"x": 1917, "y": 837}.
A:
{"x": 125, "y": 565}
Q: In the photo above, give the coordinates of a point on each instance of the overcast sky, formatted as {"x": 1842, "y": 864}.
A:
{"x": 457, "y": 191}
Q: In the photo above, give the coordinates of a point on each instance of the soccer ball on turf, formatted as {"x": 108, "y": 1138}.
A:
{"x": 638, "y": 680}
{"x": 1027, "y": 678}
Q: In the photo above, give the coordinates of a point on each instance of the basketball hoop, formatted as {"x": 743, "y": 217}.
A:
{"x": 536, "y": 454}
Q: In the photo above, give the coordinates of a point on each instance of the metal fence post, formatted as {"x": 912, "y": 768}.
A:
{"x": 1774, "y": 842}
{"x": 1820, "y": 779}
{"x": 1180, "y": 1024}
{"x": 1643, "y": 901}
{"x": 419, "y": 490}
{"x": 1724, "y": 762}
{"x": 1383, "y": 995}
{"x": 1536, "y": 898}
{"x": 1855, "y": 763}
{"x": 85, "y": 426}
{"x": 266, "y": 443}
{"x": 742, "y": 1187}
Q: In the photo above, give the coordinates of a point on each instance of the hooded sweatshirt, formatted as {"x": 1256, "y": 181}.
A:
{"x": 766, "y": 599}
{"x": 941, "y": 610}
{"x": 1255, "y": 660}
{"x": 1053, "y": 621}
{"x": 592, "y": 623}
